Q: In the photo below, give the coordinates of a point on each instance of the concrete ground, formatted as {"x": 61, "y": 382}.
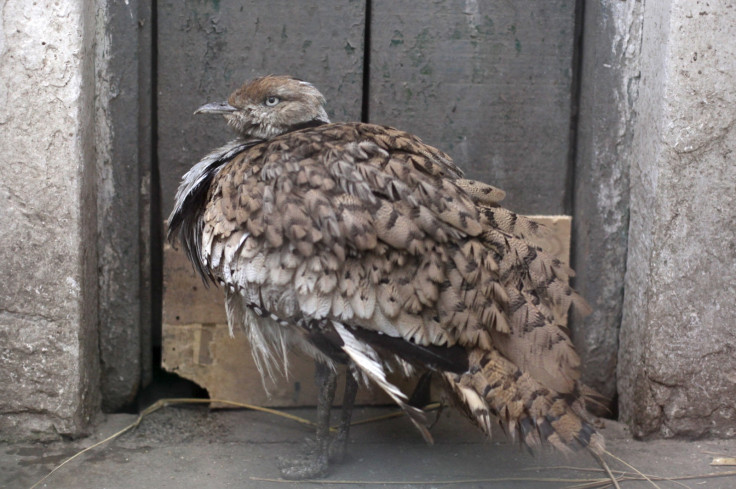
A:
{"x": 193, "y": 447}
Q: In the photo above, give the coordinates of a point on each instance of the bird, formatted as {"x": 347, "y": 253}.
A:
{"x": 359, "y": 244}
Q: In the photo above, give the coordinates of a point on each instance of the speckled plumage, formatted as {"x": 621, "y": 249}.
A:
{"x": 358, "y": 242}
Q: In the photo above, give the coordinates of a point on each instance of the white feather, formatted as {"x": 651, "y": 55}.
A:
{"x": 206, "y": 252}
{"x": 289, "y": 257}
{"x": 476, "y": 404}
{"x": 305, "y": 279}
{"x": 255, "y": 269}
{"x": 341, "y": 308}
{"x": 234, "y": 244}
{"x": 371, "y": 364}
{"x": 278, "y": 274}
{"x": 364, "y": 302}
{"x": 405, "y": 368}
{"x": 315, "y": 306}
{"x": 250, "y": 248}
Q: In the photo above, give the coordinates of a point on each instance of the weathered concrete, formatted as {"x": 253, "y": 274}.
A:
{"x": 193, "y": 448}
{"x": 150, "y": 194}
{"x": 609, "y": 78}
{"x": 123, "y": 166}
{"x": 207, "y": 49}
{"x": 678, "y": 342}
{"x": 48, "y": 296}
{"x": 488, "y": 82}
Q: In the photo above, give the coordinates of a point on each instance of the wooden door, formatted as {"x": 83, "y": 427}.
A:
{"x": 488, "y": 81}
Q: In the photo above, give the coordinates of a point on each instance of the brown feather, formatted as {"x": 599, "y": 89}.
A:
{"x": 362, "y": 227}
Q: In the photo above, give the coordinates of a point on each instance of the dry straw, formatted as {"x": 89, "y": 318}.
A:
{"x": 609, "y": 478}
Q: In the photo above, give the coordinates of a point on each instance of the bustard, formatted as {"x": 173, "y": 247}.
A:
{"x": 360, "y": 244}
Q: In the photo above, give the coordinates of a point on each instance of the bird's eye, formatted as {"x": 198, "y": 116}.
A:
{"x": 271, "y": 101}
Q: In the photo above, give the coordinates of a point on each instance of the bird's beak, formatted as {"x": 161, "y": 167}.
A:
{"x": 216, "y": 108}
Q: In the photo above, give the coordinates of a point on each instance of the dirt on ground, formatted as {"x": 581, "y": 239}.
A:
{"x": 194, "y": 447}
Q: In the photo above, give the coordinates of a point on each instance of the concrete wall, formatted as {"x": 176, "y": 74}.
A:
{"x": 656, "y": 127}
{"x": 48, "y": 300}
{"x": 677, "y": 359}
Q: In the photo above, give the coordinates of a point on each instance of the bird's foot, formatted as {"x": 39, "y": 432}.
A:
{"x": 338, "y": 448}
{"x": 312, "y": 463}
{"x": 309, "y": 466}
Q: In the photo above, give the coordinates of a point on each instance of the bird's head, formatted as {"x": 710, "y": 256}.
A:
{"x": 269, "y": 106}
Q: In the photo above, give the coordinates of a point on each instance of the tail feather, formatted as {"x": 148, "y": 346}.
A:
{"x": 493, "y": 386}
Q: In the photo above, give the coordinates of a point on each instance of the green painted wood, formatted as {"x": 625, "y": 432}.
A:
{"x": 487, "y": 81}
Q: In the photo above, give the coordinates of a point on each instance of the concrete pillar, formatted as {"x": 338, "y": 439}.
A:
{"x": 677, "y": 357}
{"x": 122, "y": 105}
{"x": 48, "y": 277}
{"x": 609, "y": 83}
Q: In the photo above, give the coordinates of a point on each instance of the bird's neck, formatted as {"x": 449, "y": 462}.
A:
{"x": 306, "y": 125}
{"x": 268, "y": 133}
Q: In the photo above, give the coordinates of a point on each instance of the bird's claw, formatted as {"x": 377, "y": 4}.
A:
{"x": 308, "y": 466}
{"x": 338, "y": 448}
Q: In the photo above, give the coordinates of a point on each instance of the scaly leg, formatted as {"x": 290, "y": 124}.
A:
{"x": 339, "y": 444}
{"x": 316, "y": 462}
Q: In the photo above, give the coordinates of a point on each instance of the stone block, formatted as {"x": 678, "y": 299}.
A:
{"x": 677, "y": 353}
{"x": 123, "y": 166}
{"x": 609, "y": 81}
{"x": 48, "y": 297}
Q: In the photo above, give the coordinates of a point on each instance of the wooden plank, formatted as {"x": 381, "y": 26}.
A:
{"x": 209, "y": 356}
{"x": 487, "y": 81}
{"x": 207, "y": 49}
{"x": 197, "y": 346}
{"x": 557, "y": 241}
{"x": 186, "y": 298}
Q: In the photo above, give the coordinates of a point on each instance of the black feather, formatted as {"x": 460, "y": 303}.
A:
{"x": 450, "y": 359}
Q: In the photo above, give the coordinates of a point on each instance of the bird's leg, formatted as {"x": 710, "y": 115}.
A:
{"x": 326, "y": 380}
{"x": 422, "y": 396}
{"x": 316, "y": 461}
{"x": 339, "y": 444}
